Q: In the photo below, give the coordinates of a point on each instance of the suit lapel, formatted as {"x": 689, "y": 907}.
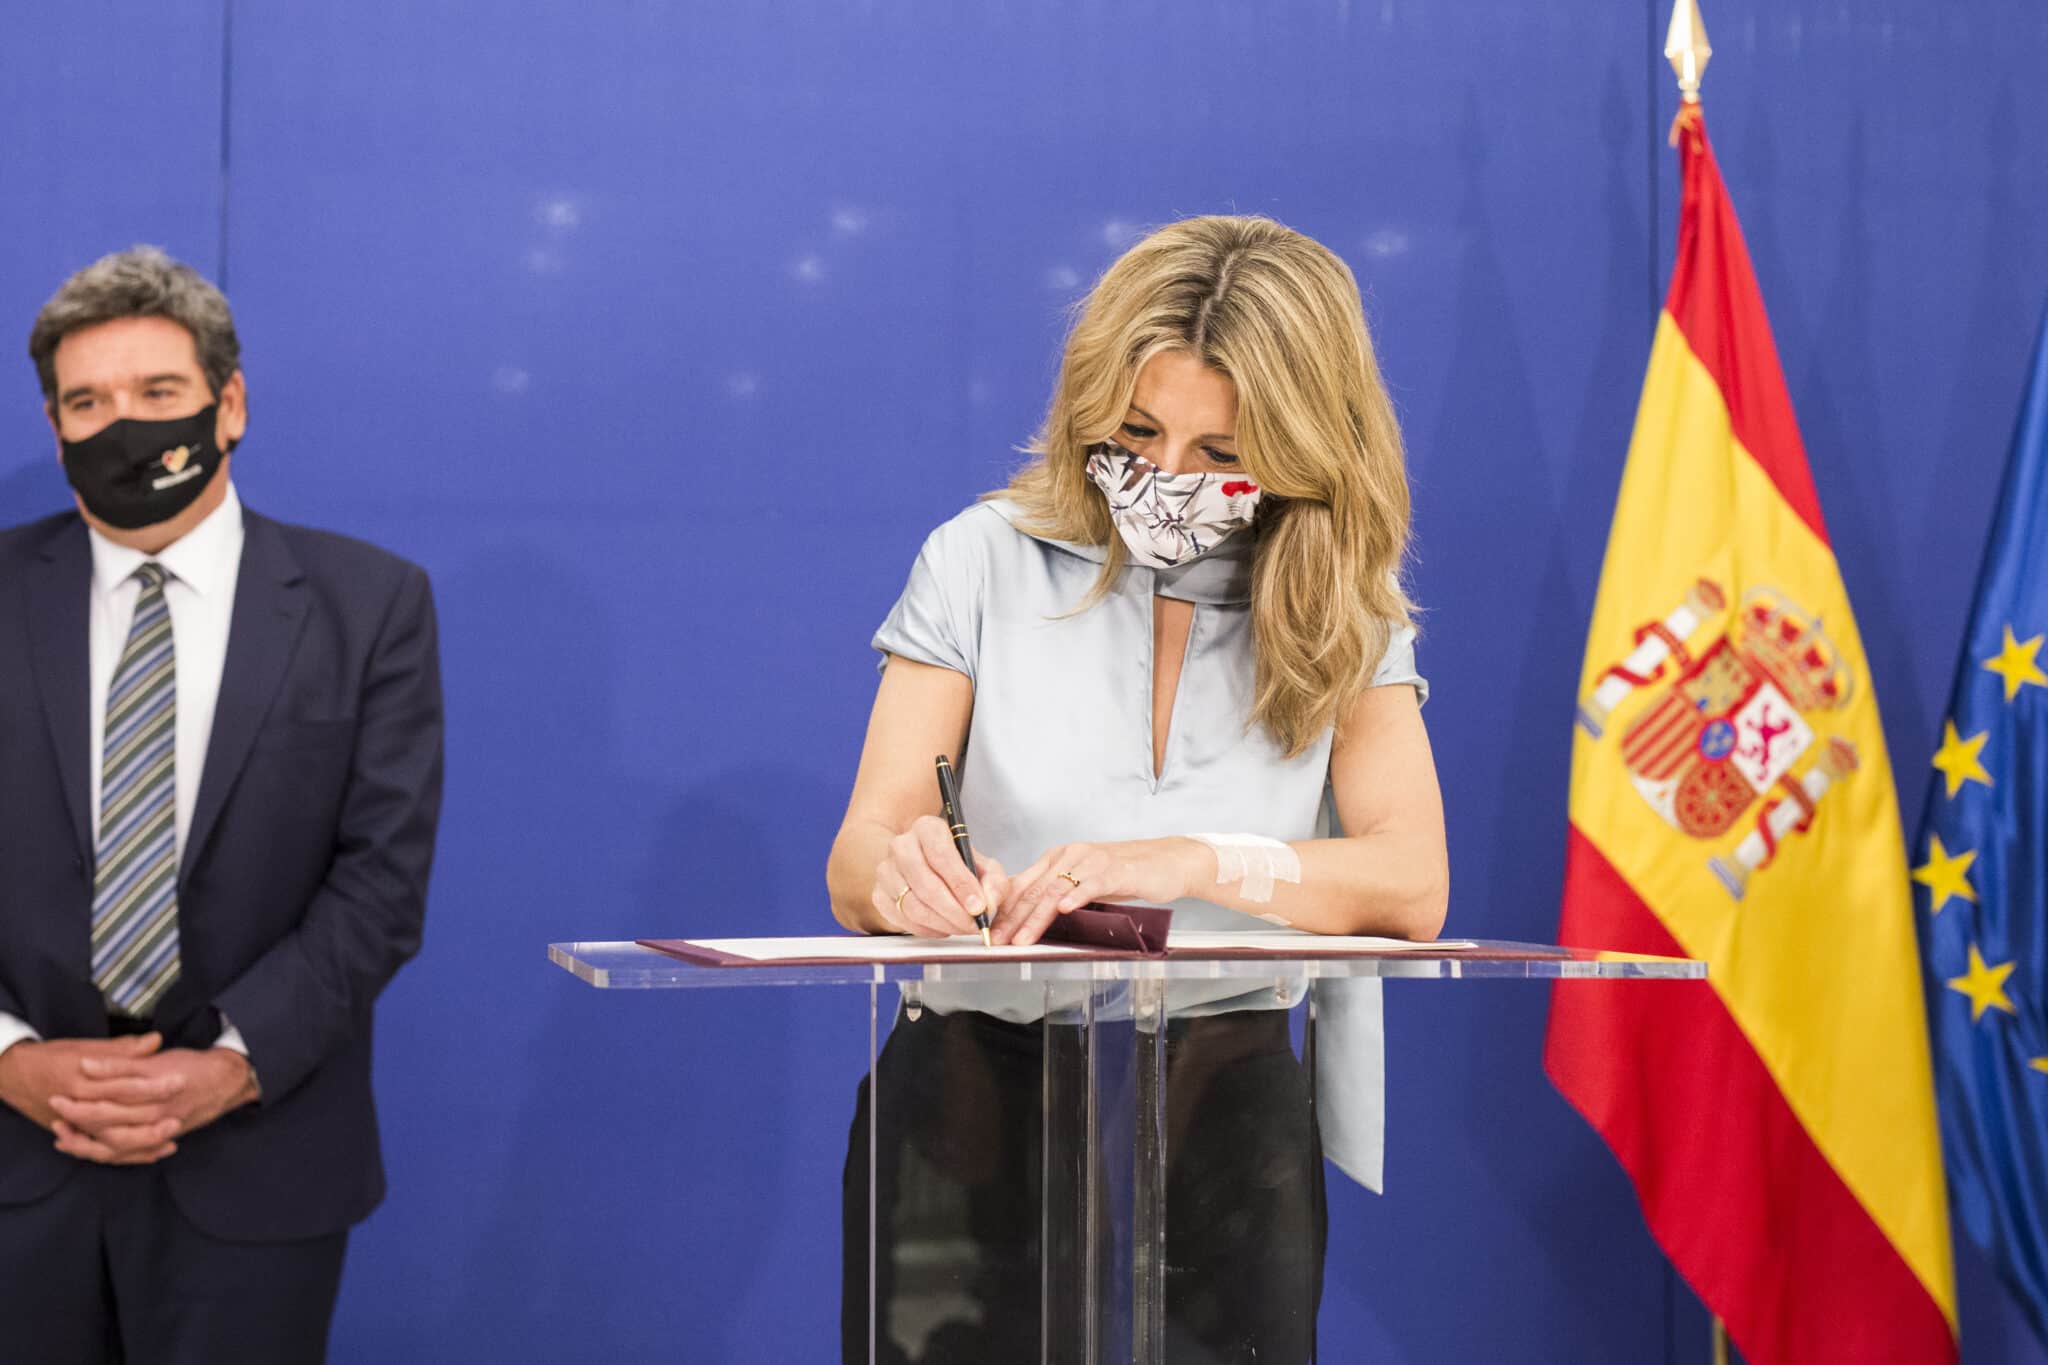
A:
{"x": 270, "y": 607}
{"x": 60, "y": 616}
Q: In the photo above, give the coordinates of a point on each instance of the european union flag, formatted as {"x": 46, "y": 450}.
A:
{"x": 1983, "y": 862}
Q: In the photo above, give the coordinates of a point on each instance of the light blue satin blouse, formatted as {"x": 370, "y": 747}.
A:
{"x": 1059, "y": 749}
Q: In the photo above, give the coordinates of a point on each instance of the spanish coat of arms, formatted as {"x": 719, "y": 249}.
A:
{"x": 1730, "y": 725}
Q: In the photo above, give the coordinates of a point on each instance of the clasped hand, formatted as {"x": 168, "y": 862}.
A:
{"x": 922, "y": 887}
{"x": 122, "y": 1101}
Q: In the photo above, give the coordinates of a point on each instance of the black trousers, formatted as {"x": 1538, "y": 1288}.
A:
{"x": 107, "y": 1271}
{"x": 959, "y": 1272}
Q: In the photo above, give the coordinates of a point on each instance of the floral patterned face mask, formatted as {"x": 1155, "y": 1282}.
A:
{"x": 1168, "y": 519}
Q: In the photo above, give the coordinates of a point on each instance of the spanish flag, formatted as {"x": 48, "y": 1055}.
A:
{"x": 1731, "y": 800}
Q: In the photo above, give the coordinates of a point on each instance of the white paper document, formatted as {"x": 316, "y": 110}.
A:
{"x": 874, "y": 947}
{"x": 1281, "y": 942}
{"x": 897, "y": 948}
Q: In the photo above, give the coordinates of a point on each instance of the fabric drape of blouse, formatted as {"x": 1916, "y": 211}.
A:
{"x": 1059, "y": 750}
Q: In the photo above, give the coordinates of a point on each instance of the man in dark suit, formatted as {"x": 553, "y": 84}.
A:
{"x": 220, "y": 771}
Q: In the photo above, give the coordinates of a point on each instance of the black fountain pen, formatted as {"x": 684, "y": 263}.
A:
{"x": 949, "y": 800}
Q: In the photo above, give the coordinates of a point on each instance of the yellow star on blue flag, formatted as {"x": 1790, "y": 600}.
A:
{"x": 1984, "y": 944}
{"x": 2018, "y": 662}
{"x": 1959, "y": 760}
{"x": 1983, "y": 985}
{"x": 1945, "y": 874}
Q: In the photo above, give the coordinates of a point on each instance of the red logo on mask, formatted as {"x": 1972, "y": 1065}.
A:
{"x": 1236, "y": 486}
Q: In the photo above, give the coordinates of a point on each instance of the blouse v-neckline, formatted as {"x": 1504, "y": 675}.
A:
{"x": 1159, "y": 747}
{"x": 1221, "y": 577}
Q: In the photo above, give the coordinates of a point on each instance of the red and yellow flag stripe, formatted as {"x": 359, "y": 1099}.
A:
{"x": 1779, "y": 1122}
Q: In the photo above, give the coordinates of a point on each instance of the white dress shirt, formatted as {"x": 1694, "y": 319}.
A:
{"x": 203, "y": 566}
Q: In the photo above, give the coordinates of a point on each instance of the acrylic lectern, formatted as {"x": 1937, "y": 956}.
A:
{"x": 1110, "y": 1033}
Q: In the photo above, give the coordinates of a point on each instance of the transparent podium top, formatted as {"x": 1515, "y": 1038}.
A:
{"x": 624, "y": 965}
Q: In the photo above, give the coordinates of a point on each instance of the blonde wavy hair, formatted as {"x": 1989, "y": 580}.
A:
{"x": 1279, "y": 315}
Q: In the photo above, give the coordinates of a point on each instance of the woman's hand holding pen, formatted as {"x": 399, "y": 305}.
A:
{"x": 922, "y": 887}
{"x": 1071, "y": 875}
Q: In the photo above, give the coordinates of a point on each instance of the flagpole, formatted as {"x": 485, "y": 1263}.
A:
{"x": 1687, "y": 49}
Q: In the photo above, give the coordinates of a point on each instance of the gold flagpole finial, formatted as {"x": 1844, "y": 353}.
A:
{"x": 1686, "y": 48}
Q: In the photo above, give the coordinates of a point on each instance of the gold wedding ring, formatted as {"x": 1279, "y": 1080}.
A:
{"x": 1072, "y": 878}
{"x": 900, "y": 895}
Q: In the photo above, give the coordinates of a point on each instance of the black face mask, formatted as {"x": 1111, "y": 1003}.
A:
{"x": 137, "y": 473}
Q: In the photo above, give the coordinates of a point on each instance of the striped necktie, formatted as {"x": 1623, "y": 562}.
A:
{"x": 135, "y": 883}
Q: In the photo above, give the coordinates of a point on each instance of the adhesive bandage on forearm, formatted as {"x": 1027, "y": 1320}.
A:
{"x": 1253, "y": 861}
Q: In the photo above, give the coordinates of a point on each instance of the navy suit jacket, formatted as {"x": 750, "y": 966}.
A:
{"x": 304, "y": 878}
